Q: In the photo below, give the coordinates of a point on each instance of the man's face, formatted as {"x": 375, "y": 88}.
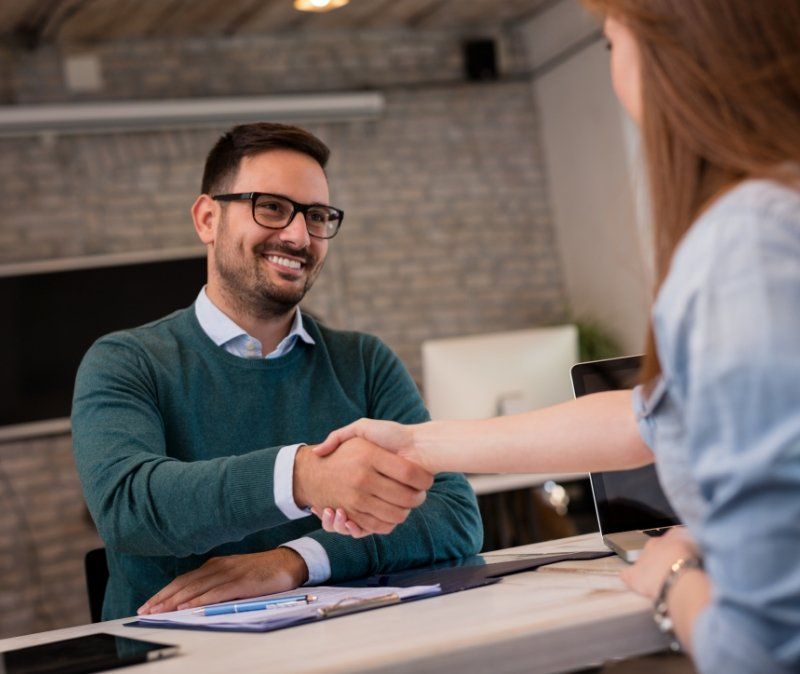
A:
{"x": 266, "y": 272}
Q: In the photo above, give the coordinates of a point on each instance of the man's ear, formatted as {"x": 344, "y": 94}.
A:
{"x": 205, "y": 215}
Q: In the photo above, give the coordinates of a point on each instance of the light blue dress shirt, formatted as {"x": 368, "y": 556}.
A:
{"x": 227, "y": 334}
{"x": 724, "y": 421}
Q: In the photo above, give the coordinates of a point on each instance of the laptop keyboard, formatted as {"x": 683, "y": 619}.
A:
{"x": 660, "y": 531}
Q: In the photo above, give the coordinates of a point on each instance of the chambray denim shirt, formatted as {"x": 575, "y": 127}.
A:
{"x": 724, "y": 421}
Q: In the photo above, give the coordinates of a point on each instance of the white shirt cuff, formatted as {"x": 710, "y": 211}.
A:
{"x": 283, "y": 483}
{"x": 315, "y": 557}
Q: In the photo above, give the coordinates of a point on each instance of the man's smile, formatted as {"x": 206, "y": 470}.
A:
{"x": 289, "y": 266}
{"x": 285, "y": 262}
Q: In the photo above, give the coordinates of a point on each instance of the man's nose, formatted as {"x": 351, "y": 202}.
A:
{"x": 296, "y": 232}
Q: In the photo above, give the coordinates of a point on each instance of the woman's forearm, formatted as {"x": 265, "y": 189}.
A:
{"x": 593, "y": 433}
{"x": 689, "y": 596}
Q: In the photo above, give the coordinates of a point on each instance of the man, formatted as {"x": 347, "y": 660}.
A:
{"x": 188, "y": 431}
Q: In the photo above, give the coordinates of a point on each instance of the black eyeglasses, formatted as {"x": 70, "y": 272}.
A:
{"x": 276, "y": 211}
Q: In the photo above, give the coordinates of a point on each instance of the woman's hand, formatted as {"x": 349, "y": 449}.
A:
{"x": 689, "y": 595}
{"x": 387, "y": 434}
{"x": 337, "y": 522}
{"x": 648, "y": 573}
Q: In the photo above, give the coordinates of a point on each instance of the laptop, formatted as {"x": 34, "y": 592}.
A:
{"x": 630, "y": 504}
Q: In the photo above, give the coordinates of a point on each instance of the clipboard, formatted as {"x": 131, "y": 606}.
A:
{"x": 451, "y": 576}
{"x": 330, "y": 602}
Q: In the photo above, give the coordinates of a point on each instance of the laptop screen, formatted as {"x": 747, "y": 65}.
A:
{"x": 626, "y": 500}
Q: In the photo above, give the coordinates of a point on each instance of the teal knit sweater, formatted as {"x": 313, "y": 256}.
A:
{"x": 175, "y": 442}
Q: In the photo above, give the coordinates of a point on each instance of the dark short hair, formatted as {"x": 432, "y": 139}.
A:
{"x": 246, "y": 140}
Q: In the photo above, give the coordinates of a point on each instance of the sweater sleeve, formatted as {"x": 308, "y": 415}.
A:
{"x": 143, "y": 501}
{"x": 447, "y": 526}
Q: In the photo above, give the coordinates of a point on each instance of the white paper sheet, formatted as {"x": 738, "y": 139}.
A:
{"x": 273, "y": 618}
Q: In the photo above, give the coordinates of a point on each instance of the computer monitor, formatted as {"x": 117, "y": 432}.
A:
{"x": 506, "y": 372}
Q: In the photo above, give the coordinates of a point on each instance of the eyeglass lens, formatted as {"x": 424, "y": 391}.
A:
{"x": 274, "y": 212}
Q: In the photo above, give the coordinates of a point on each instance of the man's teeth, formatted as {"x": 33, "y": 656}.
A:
{"x": 285, "y": 261}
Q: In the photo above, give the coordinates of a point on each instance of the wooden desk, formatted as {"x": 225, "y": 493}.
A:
{"x": 560, "y": 618}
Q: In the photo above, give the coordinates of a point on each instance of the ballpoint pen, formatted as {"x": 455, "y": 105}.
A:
{"x": 259, "y": 605}
{"x": 349, "y": 605}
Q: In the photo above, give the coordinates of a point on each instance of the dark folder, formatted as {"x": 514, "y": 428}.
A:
{"x": 470, "y": 572}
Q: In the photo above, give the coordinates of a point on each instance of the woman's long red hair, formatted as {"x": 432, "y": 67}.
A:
{"x": 720, "y": 103}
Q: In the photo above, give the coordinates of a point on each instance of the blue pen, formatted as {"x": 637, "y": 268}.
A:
{"x": 242, "y": 607}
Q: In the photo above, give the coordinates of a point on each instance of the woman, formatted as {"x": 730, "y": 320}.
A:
{"x": 715, "y": 87}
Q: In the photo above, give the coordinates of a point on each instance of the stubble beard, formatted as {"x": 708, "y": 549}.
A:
{"x": 245, "y": 282}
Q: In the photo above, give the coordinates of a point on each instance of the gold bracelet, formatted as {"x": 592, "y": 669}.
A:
{"x": 660, "y": 610}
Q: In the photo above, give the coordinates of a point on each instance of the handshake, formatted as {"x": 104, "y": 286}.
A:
{"x": 363, "y": 479}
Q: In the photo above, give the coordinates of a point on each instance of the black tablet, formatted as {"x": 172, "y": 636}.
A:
{"x": 91, "y": 653}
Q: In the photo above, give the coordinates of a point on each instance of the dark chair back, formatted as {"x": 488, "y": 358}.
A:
{"x": 95, "y": 565}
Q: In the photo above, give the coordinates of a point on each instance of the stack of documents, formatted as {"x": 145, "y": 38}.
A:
{"x": 324, "y": 602}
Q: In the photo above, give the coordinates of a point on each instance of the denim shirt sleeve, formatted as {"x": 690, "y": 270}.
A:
{"x": 643, "y": 406}
{"x": 738, "y": 373}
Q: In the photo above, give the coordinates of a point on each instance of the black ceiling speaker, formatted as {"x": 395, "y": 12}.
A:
{"x": 480, "y": 60}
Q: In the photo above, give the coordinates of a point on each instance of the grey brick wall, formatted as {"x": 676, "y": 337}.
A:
{"x": 44, "y": 534}
{"x": 447, "y": 232}
{"x": 299, "y": 62}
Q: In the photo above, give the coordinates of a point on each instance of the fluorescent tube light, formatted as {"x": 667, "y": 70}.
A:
{"x": 150, "y": 115}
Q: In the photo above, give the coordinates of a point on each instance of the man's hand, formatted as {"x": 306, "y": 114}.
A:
{"x": 375, "y": 487}
{"x": 231, "y": 577}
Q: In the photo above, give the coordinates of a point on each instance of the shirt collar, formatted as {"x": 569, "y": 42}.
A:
{"x": 221, "y": 329}
{"x": 299, "y": 329}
